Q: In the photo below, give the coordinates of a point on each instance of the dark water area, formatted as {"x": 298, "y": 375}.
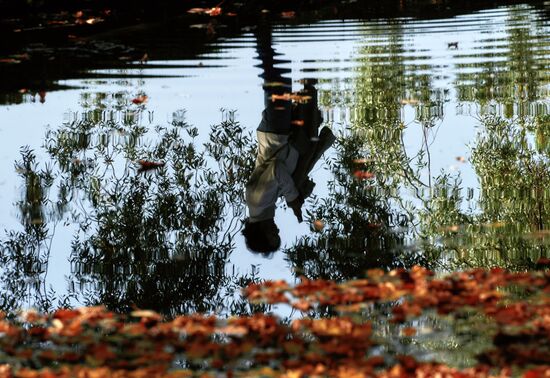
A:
{"x": 441, "y": 159}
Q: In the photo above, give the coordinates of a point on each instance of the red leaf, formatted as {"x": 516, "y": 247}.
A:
{"x": 139, "y": 100}
{"x": 146, "y": 165}
{"x": 288, "y": 14}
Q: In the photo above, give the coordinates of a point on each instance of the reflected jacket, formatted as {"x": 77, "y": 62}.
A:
{"x": 272, "y": 175}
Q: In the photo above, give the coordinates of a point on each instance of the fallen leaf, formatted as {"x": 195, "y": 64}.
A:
{"x": 409, "y": 101}
{"x": 274, "y": 84}
{"x": 291, "y": 97}
{"x": 215, "y": 11}
{"x": 494, "y": 225}
{"x": 363, "y": 175}
{"x": 94, "y": 20}
{"x": 10, "y": 61}
{"x": 288, "y": 14}
{"x": 65, "y": 314}
{"x": 302, "y": 305}
{"x": 146, "y": 165}
{"x": 140, "y": 100}
{"x": 146, "y": 314}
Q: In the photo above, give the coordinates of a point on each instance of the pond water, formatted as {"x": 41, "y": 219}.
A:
{"x": 442, "y": 160}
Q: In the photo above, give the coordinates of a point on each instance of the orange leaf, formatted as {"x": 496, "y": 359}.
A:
{"x": 65, "y": 314}
{"x": 363, "y": 175}
{"x": 93, "y": 20}
{"x": 288, "y": 14}
{"x": 216, "y": 11}
{"x": 408, "y": 331}
{"x": 146, "y": 314}
{"x": 302, "y": 305}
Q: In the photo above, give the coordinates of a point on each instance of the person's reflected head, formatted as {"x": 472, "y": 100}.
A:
{"x": 262, "y": 237}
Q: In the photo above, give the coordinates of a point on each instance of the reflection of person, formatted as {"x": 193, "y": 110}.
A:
{"x": 289, "y": 145}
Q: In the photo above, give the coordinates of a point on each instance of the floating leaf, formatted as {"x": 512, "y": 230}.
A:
{"x": 288, "y": 14}
{"x": 9, "y": 60}
{"x": 409, "y": 101}
{"x": 146, "y": 314}
{"x": 408, "y": 331}
{"x": 146, "y": 165}
{"x": 215, "y": 11}
{"x": 363, "y": 175}
{"x": 140, "y": 100}
{"x": 291, "y": 97}
{"x": 94, "y": 20}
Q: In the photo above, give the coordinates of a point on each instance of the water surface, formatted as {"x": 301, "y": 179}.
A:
{"x": 442, "y": 161}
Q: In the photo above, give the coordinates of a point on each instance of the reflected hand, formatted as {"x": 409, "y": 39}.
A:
{"x": 296, "y": 206}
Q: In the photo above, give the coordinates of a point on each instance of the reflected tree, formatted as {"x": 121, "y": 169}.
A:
{"x": 24, "y": 253}
{"x": 359, "y": 228}
{"x": 367, "y": 220}
{"x": 152, "y": 238}
{"x": 509, "y": 226}
{"x": 516, "y": 83}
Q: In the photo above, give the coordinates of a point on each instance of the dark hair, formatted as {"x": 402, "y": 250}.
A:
{"x": 262, "y": 237}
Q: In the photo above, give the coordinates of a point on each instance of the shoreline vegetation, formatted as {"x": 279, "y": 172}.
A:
{"x": 45, "y": 41}
{"x": 57, "y": 22}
